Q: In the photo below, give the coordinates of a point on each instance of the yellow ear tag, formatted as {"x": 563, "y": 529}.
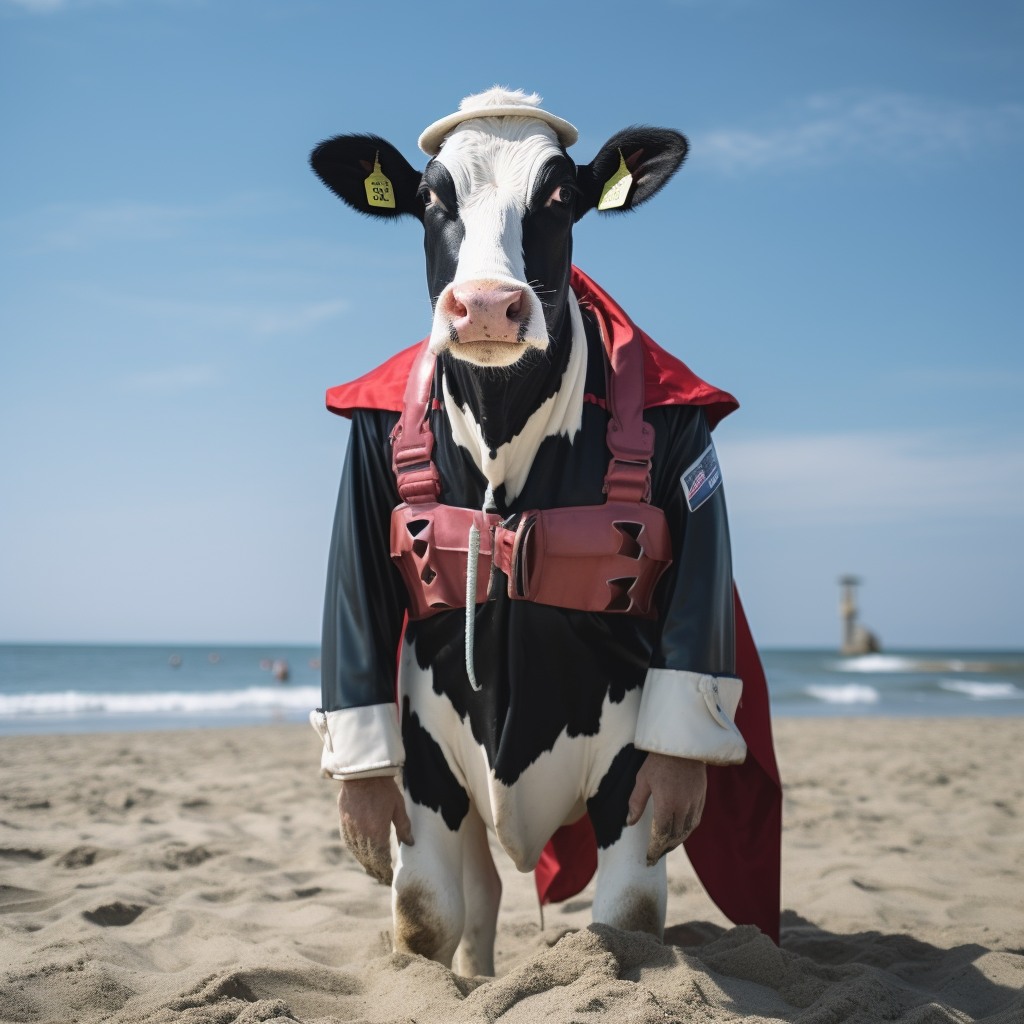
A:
{"x": 616, "y": 189}
{"x": 378, "y": 187}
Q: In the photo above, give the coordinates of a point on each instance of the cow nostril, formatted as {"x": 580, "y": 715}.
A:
{"x": 455, "y": 307}
{"x": 515, "y": 307}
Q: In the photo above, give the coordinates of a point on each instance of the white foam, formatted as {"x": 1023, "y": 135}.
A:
{"x": 848, "y": 693}
{"x": 78, "y": 702}
{"x": 876, "y": 663}
{"x": 982, "y": 691}
{"x": 898, "y": 663}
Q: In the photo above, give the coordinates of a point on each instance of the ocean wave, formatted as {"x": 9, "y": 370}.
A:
{"x": 982, "y": 691}
{"x": 844, "y": 693}
{"x": 79, "y": 702}
{"x": 876, "y": 663}
{"x": 901, "y": 663}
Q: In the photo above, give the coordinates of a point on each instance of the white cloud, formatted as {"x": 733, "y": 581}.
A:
{"x": 966, "y": 378}
{"x": 64, "y": 227}
{"x": 51, "y": 6}
{"x": 73, "y": 226}
{"x": 175, "y": 379}
{"x": 871, "y": 478}
{"x": 36, "y": 6}
{"x": 295, "y": 318}
{"x": 263, "y": 319}
{"x": 891, "y": 127}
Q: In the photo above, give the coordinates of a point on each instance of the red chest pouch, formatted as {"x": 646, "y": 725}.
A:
{"x": 594, "y": 558}
{"x": 430, "y": 546}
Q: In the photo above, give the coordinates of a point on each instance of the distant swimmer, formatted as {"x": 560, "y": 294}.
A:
{"x": 174, "y": 660}
{"x": 280, "y": 670}
{"x": 213, "y": 658}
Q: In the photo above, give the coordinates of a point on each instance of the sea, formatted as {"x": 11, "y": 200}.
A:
{"x": 61, "y": 688}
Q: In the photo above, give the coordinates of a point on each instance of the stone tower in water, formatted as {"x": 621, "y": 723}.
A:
{"x": 856, "y": 638}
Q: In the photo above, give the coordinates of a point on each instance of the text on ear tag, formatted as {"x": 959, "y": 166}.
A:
{"x": 378, "y": 186}
{"x": 616, "y": 189}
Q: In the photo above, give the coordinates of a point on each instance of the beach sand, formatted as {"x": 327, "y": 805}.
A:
{"x": 198, "y": 877}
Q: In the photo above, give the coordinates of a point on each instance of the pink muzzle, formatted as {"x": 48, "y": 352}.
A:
{"x": 485, "y": 311}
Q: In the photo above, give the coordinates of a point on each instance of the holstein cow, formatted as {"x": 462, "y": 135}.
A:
{"x": 542, "y": 458}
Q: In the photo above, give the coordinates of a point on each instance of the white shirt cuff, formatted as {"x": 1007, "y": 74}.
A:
{"x": 359, "y": 743}
{"x": 687, "y": 714}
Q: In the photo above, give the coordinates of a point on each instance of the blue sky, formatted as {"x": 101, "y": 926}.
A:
{"x": 842, "y": 251}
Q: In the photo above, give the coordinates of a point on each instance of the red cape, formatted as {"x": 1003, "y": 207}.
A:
{"x": 736, "y": 850}
{"x": 667, "y": 380}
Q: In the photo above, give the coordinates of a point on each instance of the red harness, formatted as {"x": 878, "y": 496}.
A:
{"x": 595, "y": 558}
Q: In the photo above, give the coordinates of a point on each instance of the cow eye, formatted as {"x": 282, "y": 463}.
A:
{"x": 560, "y": 196}
{"x": 434, "y": 200}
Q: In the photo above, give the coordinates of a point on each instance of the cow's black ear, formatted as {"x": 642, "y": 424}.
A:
{"x": 651, "y": 155}
{"x": 345, "y": 162}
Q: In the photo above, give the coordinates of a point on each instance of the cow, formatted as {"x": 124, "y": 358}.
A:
{"x": 519, "y": 718}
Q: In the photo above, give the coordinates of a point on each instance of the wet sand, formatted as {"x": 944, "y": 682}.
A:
{"x": 198, "y": 877}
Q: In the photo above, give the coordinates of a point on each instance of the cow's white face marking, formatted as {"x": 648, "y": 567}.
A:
{"x": 494, "y": 163}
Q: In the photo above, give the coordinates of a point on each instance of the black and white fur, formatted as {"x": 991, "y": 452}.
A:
{"x": 558, "y": 726}
{"x": 498, "y": 203}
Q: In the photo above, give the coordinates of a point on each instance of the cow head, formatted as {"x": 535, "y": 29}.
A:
{"x": 498, "y": 202}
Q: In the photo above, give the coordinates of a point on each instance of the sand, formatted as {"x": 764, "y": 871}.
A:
{"x": 198, "y": 877}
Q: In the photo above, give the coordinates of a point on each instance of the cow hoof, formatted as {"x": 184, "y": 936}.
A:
{"x": 471, "y": 964}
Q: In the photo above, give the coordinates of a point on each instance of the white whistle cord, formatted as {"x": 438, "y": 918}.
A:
{"x": 472, "y": 565}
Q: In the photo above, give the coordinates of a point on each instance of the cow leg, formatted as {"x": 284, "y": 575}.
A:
{"x": 427, "y": 900}
{"x": 629, "y": 894}
{"x": 481, "y": 889}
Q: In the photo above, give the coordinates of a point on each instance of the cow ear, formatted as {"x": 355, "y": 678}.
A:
{"x": 651, "y": 155}
{"x": 345, "y": 162}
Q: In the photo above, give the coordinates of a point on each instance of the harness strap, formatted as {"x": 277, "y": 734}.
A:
{"x": 412, "y": 440}
{"x": 629, "y": 438}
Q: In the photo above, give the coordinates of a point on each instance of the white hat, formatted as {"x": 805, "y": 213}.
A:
{"x": 496, "y": 102}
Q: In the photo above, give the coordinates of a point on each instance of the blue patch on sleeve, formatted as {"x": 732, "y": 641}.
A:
{"x": 702, "y": 479}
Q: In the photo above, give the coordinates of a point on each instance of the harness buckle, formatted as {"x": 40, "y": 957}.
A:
{"x": 628, "y": 480}
{"x": 415, "y": 473}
